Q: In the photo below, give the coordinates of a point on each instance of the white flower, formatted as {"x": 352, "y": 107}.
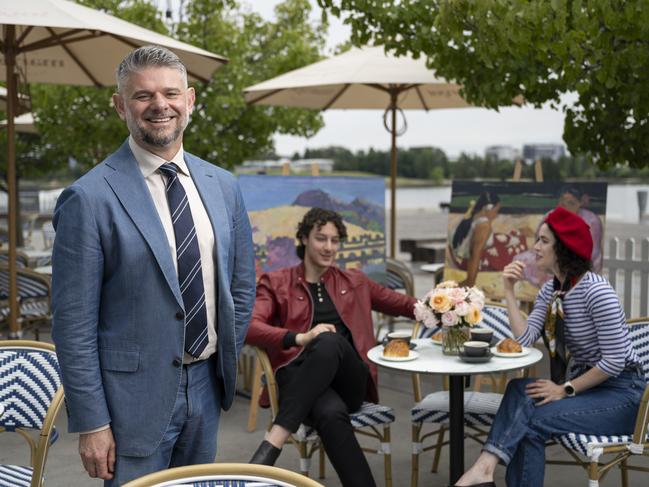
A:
{"x": 421, "y": 311}
{"x": 431, "y": 321}
{"x": 476, "y": 297}
{"x": 449, "y": 318}
{"x": 462, "y": 308}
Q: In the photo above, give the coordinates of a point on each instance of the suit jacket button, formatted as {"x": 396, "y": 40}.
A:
{"x": 177, "y": 362}
{"x": 180, "y": 315}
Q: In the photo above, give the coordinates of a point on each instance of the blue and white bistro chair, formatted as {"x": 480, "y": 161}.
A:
{"x": 31, "y": 395}
{"x": 34, "y": 295}
{"x": 479, "y": 407}
{"x": 371, "y": 420}
{"x": 623, "y": 447}
{"x": 224, "y": 475}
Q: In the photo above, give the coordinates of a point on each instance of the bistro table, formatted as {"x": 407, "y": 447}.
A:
{"x": 431, "y": 360}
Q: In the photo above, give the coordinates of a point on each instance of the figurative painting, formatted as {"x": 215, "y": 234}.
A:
{"x": 276, "y": 204}
{"x": 492, "y": 224}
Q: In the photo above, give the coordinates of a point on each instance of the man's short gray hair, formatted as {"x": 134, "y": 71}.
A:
{"x": 146, "y": 57}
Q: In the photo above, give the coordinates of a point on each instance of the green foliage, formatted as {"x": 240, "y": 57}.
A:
{"x": 499, "y": 49}
{"x": 432, "y": 165}
{"x": 81, "y": 122}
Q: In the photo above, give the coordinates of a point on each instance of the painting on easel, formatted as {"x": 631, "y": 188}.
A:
{"x": 276, "y": 204}
{"x": 492, "y": 224}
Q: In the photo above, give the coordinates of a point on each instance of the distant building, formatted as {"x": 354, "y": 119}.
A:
{"x": 502, "y": 153}
{"x": 532, "y": 152}
{"x": 298, "y": 165}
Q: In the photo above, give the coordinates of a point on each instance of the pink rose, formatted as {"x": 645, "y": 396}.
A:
{"x": 449, "y": 318}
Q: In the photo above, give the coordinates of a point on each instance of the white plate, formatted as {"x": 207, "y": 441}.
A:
{"x": 495, "y": 351}
{"x": 411, "y": 356}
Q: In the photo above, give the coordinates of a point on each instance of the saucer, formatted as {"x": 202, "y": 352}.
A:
{"x": 475, "y": 360}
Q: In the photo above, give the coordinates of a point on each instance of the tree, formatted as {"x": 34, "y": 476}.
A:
{"x": 540, "y": 49}
{"x": 81, "y": 122}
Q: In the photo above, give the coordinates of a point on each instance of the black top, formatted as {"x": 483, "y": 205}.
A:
{"x": 324, "y": 311}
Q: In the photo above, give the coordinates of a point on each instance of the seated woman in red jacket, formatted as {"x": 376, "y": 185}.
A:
{"x": 314, "y": 321}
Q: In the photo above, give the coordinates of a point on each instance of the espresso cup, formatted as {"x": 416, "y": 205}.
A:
{"x": 482, "y": 335}
{"x": 399, "y": 335}
{"x": 476, "y": 349}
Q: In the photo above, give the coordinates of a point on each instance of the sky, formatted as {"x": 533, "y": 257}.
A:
{"x": 468, "y": 130}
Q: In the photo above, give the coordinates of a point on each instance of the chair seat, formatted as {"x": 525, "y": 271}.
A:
{"x": 588, "y": 445}
{"x": 479, "y": 408}
{"x": 369, "y": 414}
{"x": 15, "y": 476}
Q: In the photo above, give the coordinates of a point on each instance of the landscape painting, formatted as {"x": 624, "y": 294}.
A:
{"x": 276, "y": 204}
{"x": 492, "y": 224}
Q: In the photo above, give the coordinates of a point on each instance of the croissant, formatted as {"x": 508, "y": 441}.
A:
{"x": 396, "y": 348}
{"x": 437, "y": 336}
{"x": 509, "y": 345}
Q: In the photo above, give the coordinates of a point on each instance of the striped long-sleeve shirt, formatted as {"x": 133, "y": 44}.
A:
{"x": 596, "y": 333}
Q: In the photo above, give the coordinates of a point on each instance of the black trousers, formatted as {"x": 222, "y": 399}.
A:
{"x": 326, "y": 382}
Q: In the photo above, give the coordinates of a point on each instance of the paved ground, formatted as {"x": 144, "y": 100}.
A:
{"x": 235, "y": 444}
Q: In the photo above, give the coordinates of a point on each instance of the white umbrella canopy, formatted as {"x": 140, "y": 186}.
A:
{"x": 24, "y": 103}
{"x": 61, "y": 42}
{"x": 363, "y": 78}
{"x": 24, "y": 124}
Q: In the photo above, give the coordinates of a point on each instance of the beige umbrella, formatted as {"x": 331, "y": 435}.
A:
{"x": 24, "y": 103}
{"x": 24, "y": 124}
{"x": 363, "y": 78}
{"x": 61, "y": 42}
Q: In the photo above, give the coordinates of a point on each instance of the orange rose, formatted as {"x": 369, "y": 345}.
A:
{"x": 474, "y": 316}
{"x": 440, "y": 302}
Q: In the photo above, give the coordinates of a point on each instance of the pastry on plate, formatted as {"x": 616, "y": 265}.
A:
{"x": 396, "y": 348}
{"x": 437, "y": 337}
{"x": 509, "y": 345}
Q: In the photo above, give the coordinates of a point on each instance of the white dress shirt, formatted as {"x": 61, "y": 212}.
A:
{"x": 156, "y": 182}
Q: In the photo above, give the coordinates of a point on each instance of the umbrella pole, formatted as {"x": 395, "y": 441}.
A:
{"x": 12, "y": 98}
{"x": 393, "y": 177}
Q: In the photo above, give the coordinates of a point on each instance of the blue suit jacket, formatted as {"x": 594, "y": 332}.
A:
{"x": 115, "y": 298}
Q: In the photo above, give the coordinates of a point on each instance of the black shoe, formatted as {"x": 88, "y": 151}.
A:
{"x": 266, "y": 454}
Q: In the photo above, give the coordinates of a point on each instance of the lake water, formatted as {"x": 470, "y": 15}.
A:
{"x": 621, "y": 203}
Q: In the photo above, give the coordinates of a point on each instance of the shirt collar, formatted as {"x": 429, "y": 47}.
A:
{"x": 149, "y": 162}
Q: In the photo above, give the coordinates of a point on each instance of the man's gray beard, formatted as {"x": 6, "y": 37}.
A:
{"x": 155, "y": 140}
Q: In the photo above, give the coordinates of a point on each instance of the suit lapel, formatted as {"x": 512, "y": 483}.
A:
{"x": 130, "y": 188}
{"x": 209, "y": 189}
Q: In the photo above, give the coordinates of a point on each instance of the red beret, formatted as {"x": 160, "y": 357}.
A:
{"x": 572, "y": 230}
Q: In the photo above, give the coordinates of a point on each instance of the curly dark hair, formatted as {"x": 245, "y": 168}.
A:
{"x": 317, "y": 217}
{"x": 571, "y": 264}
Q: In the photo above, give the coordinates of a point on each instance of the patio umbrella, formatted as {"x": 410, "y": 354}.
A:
{"x": 24, "y": 103}
{"x": 365, "y": 78}
{"x": 23, "y": 123}
{"x": 61, "y": 42}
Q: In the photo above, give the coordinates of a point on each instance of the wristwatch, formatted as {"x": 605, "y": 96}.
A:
{"x": 570, "y": 390}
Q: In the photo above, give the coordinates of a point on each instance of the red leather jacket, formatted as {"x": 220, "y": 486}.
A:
{"x": 284, "y": 303}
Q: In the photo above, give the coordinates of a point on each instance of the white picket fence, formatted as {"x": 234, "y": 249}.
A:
{"x": 627, "y": 268}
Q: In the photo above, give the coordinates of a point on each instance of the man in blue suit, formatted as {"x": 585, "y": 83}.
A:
{"x": 152, "y": 288}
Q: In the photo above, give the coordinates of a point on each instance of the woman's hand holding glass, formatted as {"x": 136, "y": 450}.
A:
{"x": 303, "y": 339}
{"x": 512, "y": 273}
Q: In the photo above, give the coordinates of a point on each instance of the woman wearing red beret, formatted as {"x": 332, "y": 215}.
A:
{"x": 579, "y": 316}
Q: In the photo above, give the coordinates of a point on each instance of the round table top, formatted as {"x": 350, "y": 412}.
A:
{"x": 431, "y": 360}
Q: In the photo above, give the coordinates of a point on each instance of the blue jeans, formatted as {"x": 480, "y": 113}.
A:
{"x": 521, "y": 429}
{"x": 191, "y": 435}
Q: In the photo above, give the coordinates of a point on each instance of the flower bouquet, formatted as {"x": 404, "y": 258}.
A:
{"x": 456, "y": 309}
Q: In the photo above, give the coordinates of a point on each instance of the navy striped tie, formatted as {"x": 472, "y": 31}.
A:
{"x": 190, "y": 273}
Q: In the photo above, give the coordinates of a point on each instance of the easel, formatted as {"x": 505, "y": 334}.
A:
{"x": 248, "y": 368}
{"x": 498, "y": 383}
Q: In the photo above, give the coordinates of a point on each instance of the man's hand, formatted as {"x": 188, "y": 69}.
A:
{"x": 546, "y": 390}
{"x": 303, "y": 339}
{"x": 97, "y": 452}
